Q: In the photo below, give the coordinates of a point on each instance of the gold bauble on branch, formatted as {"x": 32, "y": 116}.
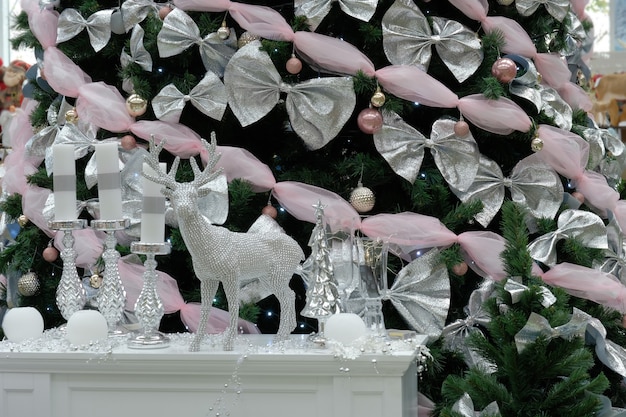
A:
{"x": 536, "y": 144}
{"x": 28, "y": 284}
{"x": 223, "y": 32}
{"x": 136, "y": 105}
{"x": 95, "y": 281}
{"x": 71, "y": 116}
{"x": 378, "y": 98}
{"x": 22, "y": 220}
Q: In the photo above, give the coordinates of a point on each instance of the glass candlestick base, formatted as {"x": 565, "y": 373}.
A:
{"x": 111, "y": 296}
{"x": 70, "y": 294}
{"x": 149, "y": 307}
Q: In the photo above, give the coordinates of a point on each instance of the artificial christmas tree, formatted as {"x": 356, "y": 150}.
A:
{"x": 379, "y": 82}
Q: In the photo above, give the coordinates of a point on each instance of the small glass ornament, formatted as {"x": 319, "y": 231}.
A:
{"x": 28, "y": 284}
{"x": 293, "y": 65}
{"x": 504, "y": 69}
{"x": 369, "y": 120}
{"x": 536, "y": 144}
{"x": 136, "y": 105}
{"x": 223, "y": 32}
{"x": 378, "y": 98}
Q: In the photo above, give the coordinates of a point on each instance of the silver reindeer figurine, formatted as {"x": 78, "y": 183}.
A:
{"x": 219, "y": 254}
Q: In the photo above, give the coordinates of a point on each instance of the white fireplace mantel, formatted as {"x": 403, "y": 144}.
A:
{"x": 258, "y": 378}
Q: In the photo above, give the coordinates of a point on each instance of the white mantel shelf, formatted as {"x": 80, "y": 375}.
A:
{"x": 294, "y": 378}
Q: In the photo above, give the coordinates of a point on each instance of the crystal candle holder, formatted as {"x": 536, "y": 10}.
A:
{"x": 70, "y": 294}
{"x": 149, "y": 307}
{"x": 111, "y": 296}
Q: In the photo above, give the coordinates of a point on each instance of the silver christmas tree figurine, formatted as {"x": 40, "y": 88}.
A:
{"x": 322, "y": 295}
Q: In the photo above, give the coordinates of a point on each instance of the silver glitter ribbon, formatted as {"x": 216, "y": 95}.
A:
{"x": 180, "y": 32}
{"x": 408, "y": 40}
{"x": 532, "y": 184}
{"x": 316, "y": 10}
{"x": 615, "y": 261}
{"x": 84, "y": 141}
{"x": 138, "y": 53}
{"x": 98, "y": 26}
{"x": 403, "y": 146}
{"x": 578, "y": 45}
{"x": 538, "y": 326}
{"x": 584, "y": 226}
{"x": 515, "y": 289}
{"x": 610, "y": 353}
{"x": 465, "y": 407}
{"x": 544, "y": 98}
{"x": 606, "y": 153}
{"x": 318, "y": 108}
{"x": 209, "y": 96}
{"x": 42, "y": 141}
{"x": 557, "y": 8}
{"x": 421, "y": 294}
{"x": 456, "y": 333}
{"x": 135, "y": 11}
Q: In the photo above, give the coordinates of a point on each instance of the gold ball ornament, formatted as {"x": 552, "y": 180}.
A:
{"x": 95, "y": 281}
{"x": 223, "y": 32}
{"x": 136, "y": 105}
{"x": 246, "y": 38}
{"x": 362, "y": 199}
{"x": 378, "y": 98}
{"x": 22, "y": 220}
{"x": 536, "y": 144}
{"x": 71, "y": 116}
{"x": 28, "y": 284}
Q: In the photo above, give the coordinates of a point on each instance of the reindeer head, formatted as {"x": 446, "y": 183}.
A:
{"x": 184, "y": 195}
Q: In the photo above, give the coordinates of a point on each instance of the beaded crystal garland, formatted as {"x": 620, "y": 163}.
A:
{"x": 221, "y": 255}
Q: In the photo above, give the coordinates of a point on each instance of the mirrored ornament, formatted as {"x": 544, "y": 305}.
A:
{"x": 369, "y": 121}
{"x": 504, "y": 69}
{"x": 136, "y": 105}
{"x": 362, "y": 199}
{"x": 28, "y": 284}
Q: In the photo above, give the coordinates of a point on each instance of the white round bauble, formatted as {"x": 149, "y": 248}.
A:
{"x": 362, "y": 199}
{"x": 344, "y": 328}
{"x": 117, "y": 22}
{"x": 22, "y": 323}
{"x": 86, "y": 326}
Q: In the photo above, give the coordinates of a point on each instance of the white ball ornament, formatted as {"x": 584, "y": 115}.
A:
{"x": 362, "y": 199}
{"x": 22, "y": 323}
{"x": 345, "y": 328}
{"x": 86, "y": 326}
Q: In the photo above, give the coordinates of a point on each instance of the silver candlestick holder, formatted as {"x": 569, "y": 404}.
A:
{"x": 111, "y": 296}
{"x": 149, "y": 307}
{"x": 70, "y": 295}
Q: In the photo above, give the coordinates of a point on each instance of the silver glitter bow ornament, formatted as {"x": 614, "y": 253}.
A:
{"x": 515, "y": 289}
{"x": 98, "y": 26}
{"x": 538, "y": 326}
{"x": 403, "y": 147}
{"x": 180, "y": 32}
{"x": 578, "y": 45}
{"x": 408, "y": 40}
{"x": 84, "y": 141}
{"x": 135, "y": 11}
{"x": 209, "y": 96}
{"x": 557, "y": 8}
{"x": 532, "y": 184}
{"x": 544, "y": 98}
{"x": 610, "y": 353}
{"x": 615, "y": 262}
{"x": 456, "y": 333}
{"x": 40, "y": 143}
{"x": 421, "y": 294}
{"x": 318, "y": 108}
{"x": 465, "y": 407}
{"x": 316, "y": 10}
{"x": 138, "y": 53}
{"x": 584, "y": 226}
{"x": 606, "y": 153}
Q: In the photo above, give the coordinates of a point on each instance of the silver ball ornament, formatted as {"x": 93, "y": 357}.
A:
{"x": 362, "y": 199}
{"x": 223, "y": 32}
{"x": 28, "y": 284}
{"x": 117, "y": 22}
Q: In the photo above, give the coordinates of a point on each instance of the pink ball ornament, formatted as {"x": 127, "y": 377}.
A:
{"x": 128, "y": 142}
{"x": 579, "y": 196}
{"x": 164, "y": 11}
{"x": 293, "y": 65}
{"x": 460, "y": 269}
{"x": 270, "y": 210}
{"x": 369, "y": 121}
{"x": 461, "y": 128}
{"x": 504, "y": 69}
{"x": 50, "y": 254}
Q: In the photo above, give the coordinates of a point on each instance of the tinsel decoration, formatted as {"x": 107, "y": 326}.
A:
{"x": 28, "y": 284}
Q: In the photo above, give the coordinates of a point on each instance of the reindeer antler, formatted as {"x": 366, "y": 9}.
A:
{"x": 208, "y": 174}
{"x": 168, "y": 179}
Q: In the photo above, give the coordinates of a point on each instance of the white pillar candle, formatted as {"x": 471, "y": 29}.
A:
{"x": 64, "y": 182}
{"x": 153, "y": 212}
{"x": 109, "y": 181}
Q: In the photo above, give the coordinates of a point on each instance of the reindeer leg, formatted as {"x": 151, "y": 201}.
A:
{"x": 231, "y": 289}
{"x": 287, "y": 300}
{"x": 207, "y": 292}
